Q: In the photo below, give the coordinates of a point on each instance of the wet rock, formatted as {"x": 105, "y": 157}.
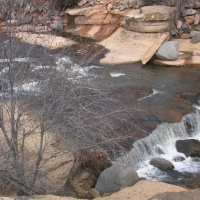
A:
{"x": 178, "y": 158}
{"x": 195, "y": 38}
{"x": 189, "y": 12}
{"x": 23, "y": 19}
{"x": 116, "y": 176}
{"x": 168, "y": 51}
{"x": 188, "y": 147}
{"x": 57, "y": 26}
{"x": 195, "y": 154}
{"x": 159, "y": 151}
{"x": 162, "y": 163}
{"x": 193, "y": 99}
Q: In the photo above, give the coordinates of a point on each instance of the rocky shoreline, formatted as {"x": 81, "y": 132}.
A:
{"x": 127, "y": 33}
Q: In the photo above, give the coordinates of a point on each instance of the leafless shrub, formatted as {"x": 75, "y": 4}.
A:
{"x": 40, "y": 103}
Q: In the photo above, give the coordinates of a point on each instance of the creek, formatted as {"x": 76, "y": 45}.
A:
{"x": 155, "y": 92}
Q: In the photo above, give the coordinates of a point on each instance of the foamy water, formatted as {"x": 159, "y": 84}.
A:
{"x": 164, "y": 137}
{"x": 117, "y": 74}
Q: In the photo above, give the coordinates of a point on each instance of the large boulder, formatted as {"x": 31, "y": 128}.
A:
{"x": 116, "y": 176}
{"x": 189, "y": 147}
{"x": 168, "y": 51}
{"x": 162, "y": 163}
{"x": 150, "y": 19}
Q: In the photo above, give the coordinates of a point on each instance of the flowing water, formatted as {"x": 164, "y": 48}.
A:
{"x": 155, "y": 90}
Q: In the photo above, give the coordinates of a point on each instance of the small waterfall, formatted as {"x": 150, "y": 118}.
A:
{"x": 163, "y": 137}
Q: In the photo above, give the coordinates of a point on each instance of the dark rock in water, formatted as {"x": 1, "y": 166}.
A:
{"x": 195, "y": 159}
{"x": 196, "y": 154}
{"x": 174, "y": 173}
{"x": 193, "y": 99}
{"x": 23, "y": 19}
{"x": 189, "y": 12}
{"x": 162, "y": 163}
{"x": 168, "y": 51}
{"x": 116, "y": 176}
{"x": 178, "y": 158}
{"x": 195, "y": 38}
{"x": 142, "y": 179}
{"x": 188, "y": 147}
{"x": 159, "y": 151}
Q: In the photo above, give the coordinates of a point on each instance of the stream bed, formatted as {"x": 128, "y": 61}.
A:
{"x": 154, "y": 91}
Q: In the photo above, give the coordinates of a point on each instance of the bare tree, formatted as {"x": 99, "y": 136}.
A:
{"x": 38, "y": 103}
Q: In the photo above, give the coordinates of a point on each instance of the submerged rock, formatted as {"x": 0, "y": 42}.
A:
{"x": 178, "y": 158}
{"x": 193, "y": 99}
{"x": 116, "y": 176}
{"x": 161, "y": 163}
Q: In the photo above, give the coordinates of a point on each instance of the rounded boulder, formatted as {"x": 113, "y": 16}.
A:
{"x": 168, "y": 51}
{"x": 162, "y": 163}
{"x": 116, "y": 176}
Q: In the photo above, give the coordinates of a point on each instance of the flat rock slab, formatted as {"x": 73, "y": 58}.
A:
{"x": 186, "y": 46}
{"x": 127, "y": 46}
{"x": 151, "y": 13}
{"x": 45, "y": 40}
{"x": 152, "y": 50}
{"x": 143, "y": 190}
